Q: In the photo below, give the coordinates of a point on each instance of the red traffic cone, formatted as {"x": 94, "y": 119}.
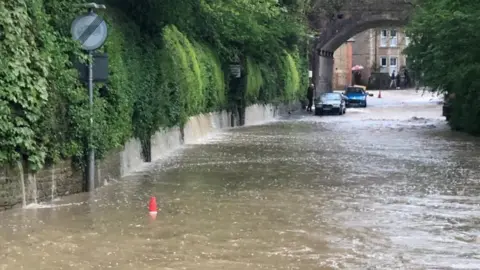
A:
{"x": 152, "y": 207}
{"x": 380, "y": 94}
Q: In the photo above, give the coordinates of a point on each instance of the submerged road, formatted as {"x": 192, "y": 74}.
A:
{"x": 386, "y": 187}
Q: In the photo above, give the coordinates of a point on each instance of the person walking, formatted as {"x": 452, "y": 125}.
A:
{"x": 393, "y": 80}
{"x": 310, "y": 90}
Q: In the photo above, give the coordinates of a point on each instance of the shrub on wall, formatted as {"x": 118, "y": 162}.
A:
{"x": 163, "y": 69}
{"x": 302, "y": 66}
{"x": 213, "y": 78}
{"x": 291, "y": 78}
{"x": 181, "y": 77}
{"x": 24, "y": 68}
{"x": 271, "y": 90}
{"x": 254, "y": 81}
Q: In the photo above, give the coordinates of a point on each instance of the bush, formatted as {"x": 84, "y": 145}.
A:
{"x": 167, "y": 62}
{"x": 442, "y": 32}
{"x": 213, "y": 78}
{"x": 254, "y": 81}
{"x": 291, "y": 77}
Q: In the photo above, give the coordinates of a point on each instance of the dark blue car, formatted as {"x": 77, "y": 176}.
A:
{"x": 356, "y": 96}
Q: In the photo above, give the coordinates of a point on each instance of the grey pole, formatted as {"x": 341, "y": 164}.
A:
{"x": 91, "y": 155}
{"x": 82, "y": 34}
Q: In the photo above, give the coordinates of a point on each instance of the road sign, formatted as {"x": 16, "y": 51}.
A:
{"x": 90, "y": 30}
{"x": 100, "y": 68}
{"x": 235, "y": 71}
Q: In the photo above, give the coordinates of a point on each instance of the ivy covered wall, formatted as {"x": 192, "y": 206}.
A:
{"x": 168, "y": 60}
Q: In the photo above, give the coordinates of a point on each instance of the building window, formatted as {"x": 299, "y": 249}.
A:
{"x": 407, "y": 41}
{"x": 393, "y": 61}
{"x": 383, "y": 38}
{"x": 383, "y": 61}
{"x": 393, "y": 64}
{"x": 383, "y": 64}
{"x": 393, "y": 38}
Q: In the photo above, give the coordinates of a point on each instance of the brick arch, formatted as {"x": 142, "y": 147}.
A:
{"x": 340, "y": 37}
{"x": 334, "y": 33}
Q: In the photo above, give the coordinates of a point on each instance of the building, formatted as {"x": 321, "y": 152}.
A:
{"x": 380, "y": 50}
{"x": 342, "y": 65}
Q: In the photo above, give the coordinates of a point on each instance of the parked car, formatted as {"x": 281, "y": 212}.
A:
{"x": 356, "y": 96}
{"x": 330, "y": 103}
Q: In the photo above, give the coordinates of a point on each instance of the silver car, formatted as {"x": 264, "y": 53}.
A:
{"x": 330, "y": 103}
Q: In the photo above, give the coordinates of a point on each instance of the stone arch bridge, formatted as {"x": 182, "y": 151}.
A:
{"x": 338, "y": 20}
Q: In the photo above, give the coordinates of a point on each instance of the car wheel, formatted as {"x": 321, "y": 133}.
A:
{"x": 365, "y": 105}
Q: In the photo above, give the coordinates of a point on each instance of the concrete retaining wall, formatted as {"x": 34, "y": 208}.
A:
{"x": 63, "y": 179}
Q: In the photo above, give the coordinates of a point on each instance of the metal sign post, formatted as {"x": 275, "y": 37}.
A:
{"x": 91, "y": 31}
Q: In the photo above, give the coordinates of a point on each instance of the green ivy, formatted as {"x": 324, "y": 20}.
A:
{"x": 65, "y": 119}
{"x": 181, "y": 80}
{"x": 213, "y": 78}
{"x": 168, "y": 60}
{"x": 23, "y": 85}
{"x": 291, "y": 77}
{"x": 254, "y": 81}
{"x": 301, "y": 64}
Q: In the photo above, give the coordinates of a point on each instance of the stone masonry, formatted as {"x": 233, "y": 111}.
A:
{"x": 338, "y": 20}
{"x": 64, "y": 176}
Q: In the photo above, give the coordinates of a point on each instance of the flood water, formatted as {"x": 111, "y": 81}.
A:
{"x": 386, "y": 187}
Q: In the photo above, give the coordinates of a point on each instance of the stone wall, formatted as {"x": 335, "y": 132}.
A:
{"x": 9, "y": 188}
{"x": 343, "y": 63}
{"x": 59, "y": 180}
{"x": 55, "y": 181}
{"x": 364, "y": 52}
{"x": 63, "y": 179}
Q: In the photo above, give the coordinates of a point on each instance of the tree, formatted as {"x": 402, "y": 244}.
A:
{"x": 443, "y": 51}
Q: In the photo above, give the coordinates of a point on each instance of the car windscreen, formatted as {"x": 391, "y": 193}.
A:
{"x": 354, "y": 90}
{"x": 330, "y": 97}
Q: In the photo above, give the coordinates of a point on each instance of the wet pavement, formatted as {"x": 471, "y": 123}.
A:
{"x": 386, "y": 187}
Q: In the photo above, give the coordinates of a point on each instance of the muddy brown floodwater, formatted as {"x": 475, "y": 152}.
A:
{"x": 386, "y": 187}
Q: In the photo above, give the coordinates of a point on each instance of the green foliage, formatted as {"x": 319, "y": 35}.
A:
{"x": 301, "y": 64}
{"x": 254, "y": 81}
{"x": 291, "y": 77}
{"x": 441, "y": 51}
{"x": 23, "y": 85}
{"x": 65, "y": 117}
{"x": 181, "y": 75}
{"x": 168, "y": 60}
{"x": 271, "y": 92}
{"x": 283, "y": 79}
{"x": 260, "y": 29}
{"x": 212, "y": 76}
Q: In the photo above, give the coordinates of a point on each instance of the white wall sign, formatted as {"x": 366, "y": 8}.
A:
{"x": 235, "y": 71}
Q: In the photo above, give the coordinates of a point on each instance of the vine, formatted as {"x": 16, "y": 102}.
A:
{"x": 254, "y": 81}
{"x": 23, "y": 86}
{"x": 163, "y": 69}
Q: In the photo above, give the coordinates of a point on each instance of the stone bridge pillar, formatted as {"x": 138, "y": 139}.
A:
{"x": 323, "y": 70}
